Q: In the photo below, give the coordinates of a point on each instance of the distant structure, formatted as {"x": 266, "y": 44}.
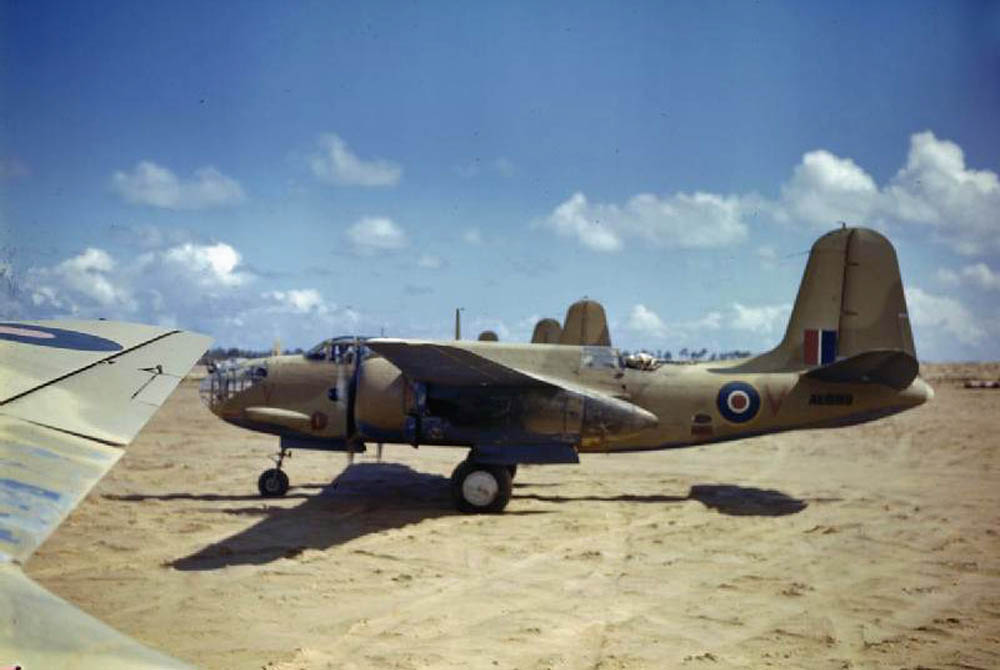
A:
{"x": 586, "y": 324}
{"x": 488, "y": 336}
{"x": 547, "y": 331}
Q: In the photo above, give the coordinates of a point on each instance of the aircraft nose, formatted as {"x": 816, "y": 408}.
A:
{"x": 228, "y": 379}
{"x": 211, "y": 390}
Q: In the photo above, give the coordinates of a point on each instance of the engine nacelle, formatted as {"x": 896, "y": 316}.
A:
{"x": 380, "y": 405}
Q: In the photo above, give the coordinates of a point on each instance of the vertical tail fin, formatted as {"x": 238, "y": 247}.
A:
{"x": 547, "y": 331}
{"x": 850, "y": 302}
{"x": 585, "y": 325}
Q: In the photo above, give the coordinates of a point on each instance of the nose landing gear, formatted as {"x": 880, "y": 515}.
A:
{"x": 273, "y": 483}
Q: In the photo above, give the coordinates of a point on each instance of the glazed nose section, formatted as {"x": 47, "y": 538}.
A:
{"x": 227, "y": 380}
{"x": 212, "y": 389}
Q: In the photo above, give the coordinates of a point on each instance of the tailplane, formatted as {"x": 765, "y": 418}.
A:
{"x": 850, "y": 321}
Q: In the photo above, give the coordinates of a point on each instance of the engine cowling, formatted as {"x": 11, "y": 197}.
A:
{"x": 380, "y": 406}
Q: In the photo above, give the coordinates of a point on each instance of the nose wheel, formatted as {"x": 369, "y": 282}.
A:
{"x": 478, "y": 488}
{"x": 273, "y": 483}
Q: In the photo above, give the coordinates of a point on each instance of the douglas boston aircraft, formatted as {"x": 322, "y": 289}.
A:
{"x": 847, "y": 357}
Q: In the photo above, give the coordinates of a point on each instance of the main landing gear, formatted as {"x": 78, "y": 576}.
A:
{"x": 273, "y": 483}
{"x": 481, "y": 488}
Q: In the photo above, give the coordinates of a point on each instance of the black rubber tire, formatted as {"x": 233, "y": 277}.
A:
{"x": 501, "y": 477}
{"x": 512, "y": 469}
{"x": 272, "y": 483}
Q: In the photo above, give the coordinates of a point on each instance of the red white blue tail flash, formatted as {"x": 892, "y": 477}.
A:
{"x": 819, "y": 347}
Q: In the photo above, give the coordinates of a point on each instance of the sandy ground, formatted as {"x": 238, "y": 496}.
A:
{"x": 867, "y": 547}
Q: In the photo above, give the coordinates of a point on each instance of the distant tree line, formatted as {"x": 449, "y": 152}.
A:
{"x": 224, "y": 354}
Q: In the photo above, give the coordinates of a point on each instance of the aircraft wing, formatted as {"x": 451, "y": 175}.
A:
{"x": 71, "y": 394}
{"x": 439, "y": 363}
{"x": 449, "y": 365}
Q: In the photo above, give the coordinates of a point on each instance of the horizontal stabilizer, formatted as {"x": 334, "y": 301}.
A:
{"x": 891, "y": 367}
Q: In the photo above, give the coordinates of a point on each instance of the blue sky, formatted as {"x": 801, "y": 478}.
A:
{"x": 298, "y": 170}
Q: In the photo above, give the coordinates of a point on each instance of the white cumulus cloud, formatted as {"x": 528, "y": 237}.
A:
{"x": 763, "y": 319}
{"x": 945, "y": 314}
{"x": 86, "y": 277}
{"x": 680, "y": 220}
{"x": 645, "y": 321}
{"x": 157, "y": 186}
{"x": 200, "y": 287}
{"x": 934, "y": 189}
{"x": 978, "y": 274}
{"x": 214, "y": 264}
{"x": 300, "y": 301}
{"x": 336, "y": 164}
{"x": 372, "y": 235}
{"x": 825, "y": 189}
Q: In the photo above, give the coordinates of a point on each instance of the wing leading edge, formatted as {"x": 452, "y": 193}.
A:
{"x": 67, "y": 405}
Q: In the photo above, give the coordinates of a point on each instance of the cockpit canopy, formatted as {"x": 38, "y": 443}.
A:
{"x": 342, "y": 349}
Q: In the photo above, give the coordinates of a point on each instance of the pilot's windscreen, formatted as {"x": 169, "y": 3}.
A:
{"x": 317, "y": 353}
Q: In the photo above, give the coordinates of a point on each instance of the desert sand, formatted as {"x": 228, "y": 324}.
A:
{"x": 874, "y": 546}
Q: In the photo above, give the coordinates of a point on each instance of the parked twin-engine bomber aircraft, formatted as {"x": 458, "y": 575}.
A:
{"x": 847, "y": 357}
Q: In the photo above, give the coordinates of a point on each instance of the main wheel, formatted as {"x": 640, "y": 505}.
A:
{"x": 512, "y": 469}
{"x": 480, "y": 489}
{"x": 273, "y": 483}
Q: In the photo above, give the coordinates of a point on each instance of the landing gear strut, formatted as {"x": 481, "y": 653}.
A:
{"x": 273, "y": 483}
{"x": 479, "y": 488}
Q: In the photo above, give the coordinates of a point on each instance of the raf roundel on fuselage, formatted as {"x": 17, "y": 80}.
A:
{"x": 58, "y": 338}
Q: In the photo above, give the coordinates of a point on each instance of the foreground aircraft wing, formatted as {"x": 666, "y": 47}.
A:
{"x": 72, "y": 393}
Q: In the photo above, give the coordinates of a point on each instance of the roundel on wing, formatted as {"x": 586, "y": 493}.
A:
{"x": 738, "y": 402}
{"x": 57, "y": 338}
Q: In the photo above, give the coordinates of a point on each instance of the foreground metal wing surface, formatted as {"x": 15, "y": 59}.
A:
{"x": 72, "y": 393}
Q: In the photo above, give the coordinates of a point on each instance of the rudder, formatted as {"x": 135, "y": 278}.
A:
{"x": 850, "y": 301}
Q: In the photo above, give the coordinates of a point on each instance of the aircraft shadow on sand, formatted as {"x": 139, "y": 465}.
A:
{"x": 372, "y": 497}
{"x": 365, "y": 498}
{"x": 726, "y": 499}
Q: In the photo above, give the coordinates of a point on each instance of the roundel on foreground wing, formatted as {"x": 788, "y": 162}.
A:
{"x": 58, "y": 338}
{"x": 738, "y": 402}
